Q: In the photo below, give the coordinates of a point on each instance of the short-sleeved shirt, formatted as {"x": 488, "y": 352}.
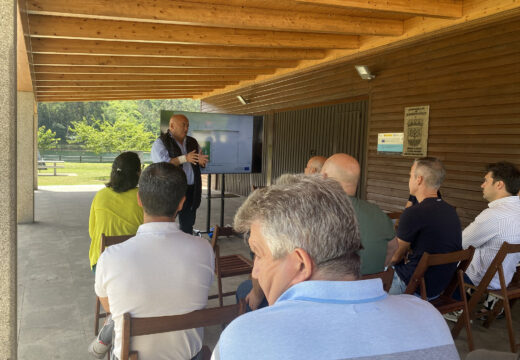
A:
{"x": 112, "y": 213}
{"x": 159, "y": 272}
{"x": 376, "y": 230}
{"x": 414, "y": 200}
{"x": 339, "y": 320}
{"x": 431, "y": 226}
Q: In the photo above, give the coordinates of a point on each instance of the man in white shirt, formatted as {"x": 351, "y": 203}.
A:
{"x": 161, "y": 271}
{"x": 498, "y": 223}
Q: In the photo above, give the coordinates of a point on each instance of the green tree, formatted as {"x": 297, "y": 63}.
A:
{"x": 100, "y": 135}
{"x": 47, "y": 139}
{"x": 58, "y": 116}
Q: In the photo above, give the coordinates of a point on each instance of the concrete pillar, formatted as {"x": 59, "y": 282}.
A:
{"x": 7, "y": 180}
{"x": 35, "y": 144}
{"x": 25, "y": 157}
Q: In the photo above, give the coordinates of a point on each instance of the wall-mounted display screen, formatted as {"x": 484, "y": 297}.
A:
{"x": 233, "y": 143}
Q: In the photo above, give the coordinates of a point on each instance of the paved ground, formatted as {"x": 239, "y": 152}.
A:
{"x": 55, "y": 286}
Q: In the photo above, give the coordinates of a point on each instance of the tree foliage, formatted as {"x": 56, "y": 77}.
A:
{"x": 100, "y": 135}
{"x": 47, "y": 139}
{"x": 59, "y": 117}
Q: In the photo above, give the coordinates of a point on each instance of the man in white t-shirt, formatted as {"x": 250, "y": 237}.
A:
{"x": 161, "y": 271}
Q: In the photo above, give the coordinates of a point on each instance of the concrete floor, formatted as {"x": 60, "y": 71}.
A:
{"x": 56, "y": 288}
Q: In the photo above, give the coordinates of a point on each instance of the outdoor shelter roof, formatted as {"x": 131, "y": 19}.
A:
{"x": 159, "y": 49}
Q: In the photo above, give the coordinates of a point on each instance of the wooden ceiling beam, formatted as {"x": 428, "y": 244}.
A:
{"x": 427, "y": 8}
{"x": 123, "y": 77}
{"x": 100, "y": 47}
{"x": 117, "y": 93}
{"x": 132, "y": 83}
{"x": 43, "y": 89}
{"x": 195, "y": 72}
{"x": 46, "y": 59}
{"x": 222, "y": 16}
{"x": 63, "y": 27}
{"x": 108, "y": 98}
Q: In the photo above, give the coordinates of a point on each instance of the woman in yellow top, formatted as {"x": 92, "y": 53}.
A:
{"x": 114, "y": 210}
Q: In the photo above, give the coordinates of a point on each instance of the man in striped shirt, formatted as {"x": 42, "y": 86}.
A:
{"x": 498, "y": 223}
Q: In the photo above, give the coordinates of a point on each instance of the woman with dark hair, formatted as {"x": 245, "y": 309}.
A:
{"x": 114, "y": 210}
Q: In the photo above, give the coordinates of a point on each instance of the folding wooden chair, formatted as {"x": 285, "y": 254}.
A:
{"x": 386, "y": 276}
{"x": 228, "y": 265}
{"x": 507, "y": 294}
{"x": 395, "y": 216}
{"x": 162, "y": 324}
{"x": 106, "y": 241}
{"x": 445, "y": 303}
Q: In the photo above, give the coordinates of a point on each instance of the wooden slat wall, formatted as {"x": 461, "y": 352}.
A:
{"x": 471, "y": 82}
{"x": 341, "y": 128}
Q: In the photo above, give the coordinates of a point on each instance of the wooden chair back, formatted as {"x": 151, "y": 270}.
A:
{"x": 106, "y": 241}
{"x": 505, "y": 294}
{"x": 221, "y": 231}
{"x": 445, "y": 302}
{"x": 386, "y": 276}
{"x": 156, "y": 325}
{"x": 228, "y": 265}
{"x": 462, "y": 257}
{"x": 395, "y": 216}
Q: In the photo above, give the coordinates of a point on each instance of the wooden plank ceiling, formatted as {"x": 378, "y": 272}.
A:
{"x": 155, "y": 49}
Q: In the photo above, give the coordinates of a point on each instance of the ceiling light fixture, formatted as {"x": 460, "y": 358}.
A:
{"x": 364, "y": 72}
{"x": 242, "y": 100}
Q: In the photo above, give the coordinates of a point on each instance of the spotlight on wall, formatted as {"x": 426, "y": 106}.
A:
{"x": 364, "y": 72}
{"x": 242, "y": 100}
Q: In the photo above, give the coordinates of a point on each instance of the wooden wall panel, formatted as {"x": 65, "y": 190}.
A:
{"x": 470, "y": 80}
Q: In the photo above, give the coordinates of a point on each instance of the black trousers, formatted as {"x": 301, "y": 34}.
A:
{"x": 187, "y": 214}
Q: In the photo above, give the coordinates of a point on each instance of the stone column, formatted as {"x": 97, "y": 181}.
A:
{"x": 25, "y": 157}
{"x": 7, "y": 180}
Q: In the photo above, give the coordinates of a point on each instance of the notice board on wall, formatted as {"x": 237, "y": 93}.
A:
{"x": 416, "y": 120}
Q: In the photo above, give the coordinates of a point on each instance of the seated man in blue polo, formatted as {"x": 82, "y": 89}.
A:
{"x": 306, "y": 241}
{"x": 431, "y": 226}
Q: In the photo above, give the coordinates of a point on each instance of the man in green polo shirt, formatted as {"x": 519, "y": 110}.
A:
{"x": 375, "y": 226}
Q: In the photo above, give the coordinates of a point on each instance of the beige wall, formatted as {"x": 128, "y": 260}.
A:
{"x": 7, "y": 181}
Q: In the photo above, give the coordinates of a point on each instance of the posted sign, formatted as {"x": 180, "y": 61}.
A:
{"x": 390, "y": 142}
{"x": 416, "y": 130}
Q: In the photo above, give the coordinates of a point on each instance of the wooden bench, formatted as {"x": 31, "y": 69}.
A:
{"x": 42, "y": 165}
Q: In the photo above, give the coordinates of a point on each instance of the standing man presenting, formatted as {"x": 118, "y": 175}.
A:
{"x": 175, "y": 147}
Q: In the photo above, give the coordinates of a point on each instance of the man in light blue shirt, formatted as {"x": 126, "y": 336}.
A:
{"x": 305, "y": 237}
{"x": 177, "y": 148}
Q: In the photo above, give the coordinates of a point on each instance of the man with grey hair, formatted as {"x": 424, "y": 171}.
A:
{"x": 305, "y": 237}
{"x": 431, "y": 226}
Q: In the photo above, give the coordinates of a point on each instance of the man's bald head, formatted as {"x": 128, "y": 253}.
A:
{"x": 314, "y": 165}
{"x": 179, "y": 125}
{"x": 344, "y": 169}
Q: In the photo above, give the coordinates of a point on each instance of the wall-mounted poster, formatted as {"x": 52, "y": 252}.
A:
{"x": 390, "y": 142}
{"x": 416, "y": 130}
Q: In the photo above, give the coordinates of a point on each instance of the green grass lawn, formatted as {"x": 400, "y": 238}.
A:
{"x": 77, "y": 174}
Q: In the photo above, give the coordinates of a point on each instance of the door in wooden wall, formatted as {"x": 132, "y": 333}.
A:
{"x": 321, "y": 130}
